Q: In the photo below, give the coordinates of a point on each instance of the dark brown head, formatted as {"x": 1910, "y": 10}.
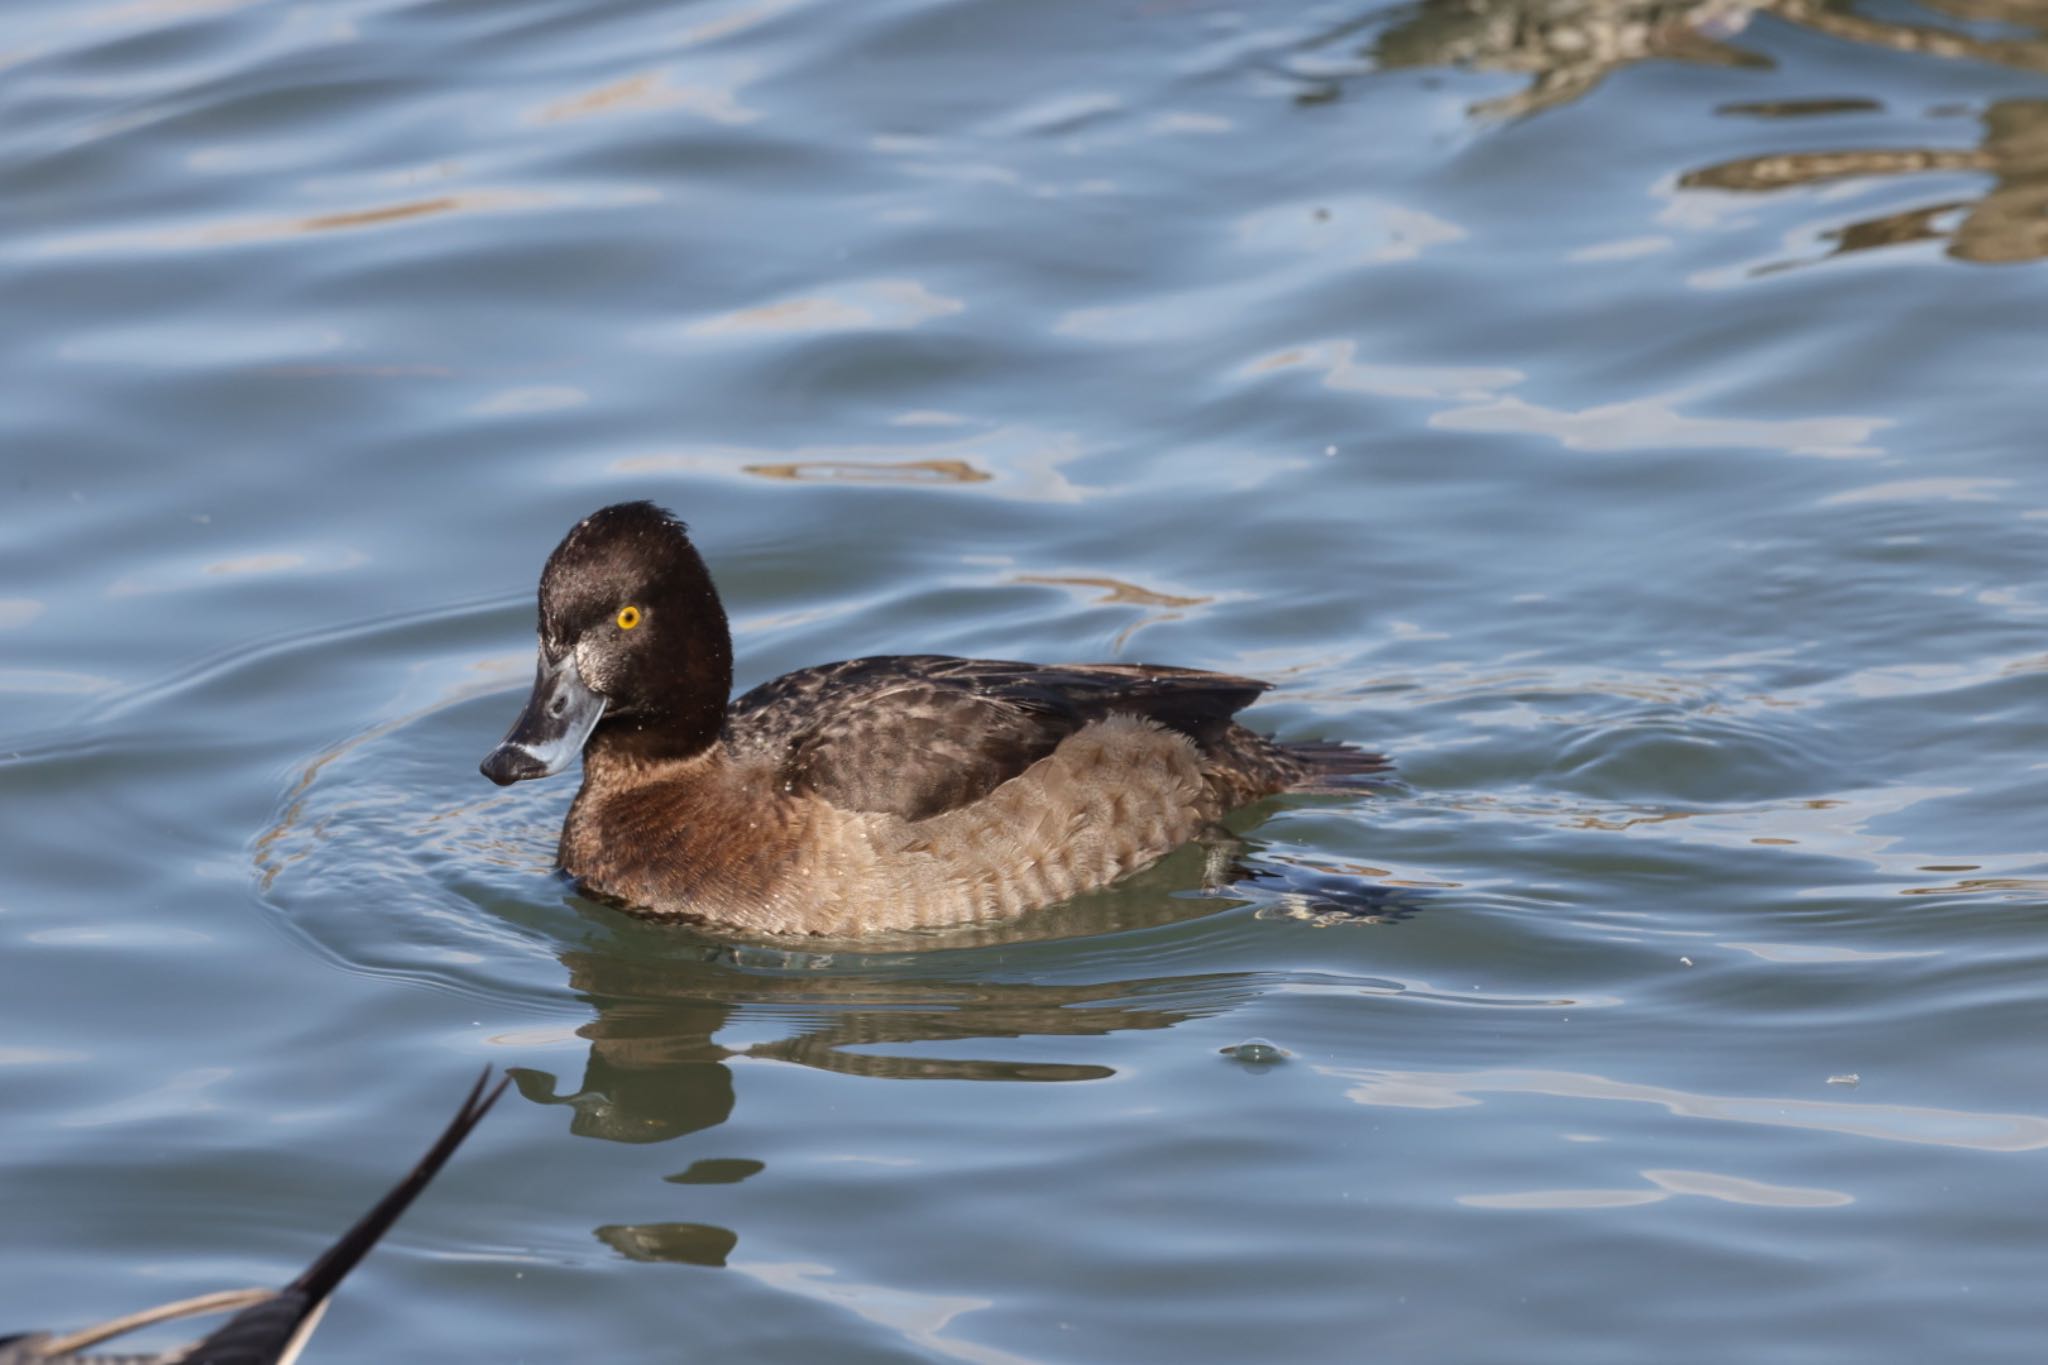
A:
{"x": 635, "y": 653}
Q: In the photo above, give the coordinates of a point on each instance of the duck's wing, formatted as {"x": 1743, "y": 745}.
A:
{"x": 918, "y": 735}
{"x": 48, "y": 1348}
{"x": 272, "y": 1328}
{"x": 274, "y": 1332}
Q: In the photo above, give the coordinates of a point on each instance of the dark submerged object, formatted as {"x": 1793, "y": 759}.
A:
{"x": 901, "y": 792}
{"x": 273, "y": 1325}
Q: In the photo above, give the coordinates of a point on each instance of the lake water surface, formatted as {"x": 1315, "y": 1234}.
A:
{"x": 1627, "y": 414}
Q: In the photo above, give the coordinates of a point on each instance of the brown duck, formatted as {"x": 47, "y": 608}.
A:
{"x": 869, "y": 796}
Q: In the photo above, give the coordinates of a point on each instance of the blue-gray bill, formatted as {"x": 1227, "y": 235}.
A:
{"x": 558, "y": 717}
{"x": 271, "y": 1326}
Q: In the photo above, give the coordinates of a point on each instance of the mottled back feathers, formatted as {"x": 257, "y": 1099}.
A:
{"x": 917, "y": 735}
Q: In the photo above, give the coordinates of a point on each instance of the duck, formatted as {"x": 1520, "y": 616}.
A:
{"x": 269, "y": 1327}
{"x": 871, "y": 796}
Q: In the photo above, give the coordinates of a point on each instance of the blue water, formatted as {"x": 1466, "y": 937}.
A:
{"x": 1626, "y": 415}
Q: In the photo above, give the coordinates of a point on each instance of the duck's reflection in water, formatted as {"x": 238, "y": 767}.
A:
{"x": 682, "y": 1243}
{"x": 663, "y": 996}
{"x": 1568, "y": 47}
{"x": 656, "y": 1070}
{"x": 2008, "y": 223}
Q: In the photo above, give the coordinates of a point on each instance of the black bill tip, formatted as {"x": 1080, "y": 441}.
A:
{"x": 509, "y": 763}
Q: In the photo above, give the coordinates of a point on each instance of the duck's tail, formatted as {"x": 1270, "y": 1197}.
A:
{"x": 1333, "y": 758}
{"x": 1326, "y": 764}
{"x": 1243, "y": 766}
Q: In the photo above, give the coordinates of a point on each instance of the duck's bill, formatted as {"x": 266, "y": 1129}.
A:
{"x": 550, "y": 732}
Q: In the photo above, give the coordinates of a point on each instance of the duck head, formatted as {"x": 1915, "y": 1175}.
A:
{"x": 635, "y": 654}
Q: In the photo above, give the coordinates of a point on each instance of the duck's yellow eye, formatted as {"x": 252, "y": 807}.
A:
{"x": 629, "y": 617}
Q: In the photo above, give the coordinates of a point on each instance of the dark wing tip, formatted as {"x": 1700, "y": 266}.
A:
{"x": 320, "y": 1278}
{"x": 1174, "y": 673}
{"x": 270, "y": 1331}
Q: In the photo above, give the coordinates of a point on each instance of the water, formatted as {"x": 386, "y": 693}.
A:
{"x": 1626, "y": 415}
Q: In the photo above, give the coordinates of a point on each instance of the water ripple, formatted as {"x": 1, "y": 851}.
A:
{"x": 1888, "y": 1123}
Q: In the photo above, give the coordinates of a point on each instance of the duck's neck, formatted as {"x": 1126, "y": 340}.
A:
{"x": 633, "y": 741}
{"x": 622, "y": 761}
